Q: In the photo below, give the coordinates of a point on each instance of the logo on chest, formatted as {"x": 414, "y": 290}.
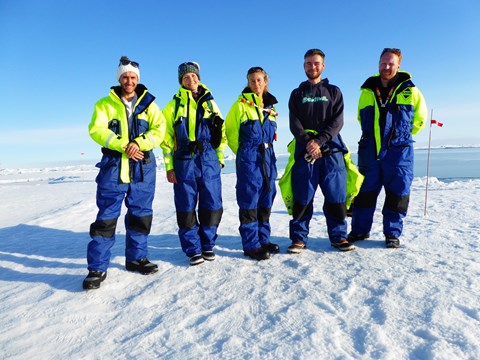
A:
{"x": 407, "y": 93}
{"x": 309, "y": 98}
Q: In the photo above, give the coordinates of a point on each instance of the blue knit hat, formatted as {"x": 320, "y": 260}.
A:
{"x": 188, "y": 67}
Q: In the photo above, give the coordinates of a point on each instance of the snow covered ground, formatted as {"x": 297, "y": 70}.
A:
{"x": 417, "y": 302}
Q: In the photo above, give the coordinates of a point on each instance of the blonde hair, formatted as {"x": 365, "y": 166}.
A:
{"x": 258, "y": 69}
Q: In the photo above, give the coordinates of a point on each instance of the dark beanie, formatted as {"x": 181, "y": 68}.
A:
{"x": 188, "y": 67}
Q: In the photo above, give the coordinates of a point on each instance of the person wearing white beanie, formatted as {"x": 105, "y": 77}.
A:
{"x": 128, "y": 125}
{"x": 126, "y": 65}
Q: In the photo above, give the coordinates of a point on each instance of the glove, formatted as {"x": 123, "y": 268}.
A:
{"x": 308, "y": 158}
{"x": 215, "y": 127}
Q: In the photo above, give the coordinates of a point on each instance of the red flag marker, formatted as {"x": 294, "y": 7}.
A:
{"x": 439, "y": 124}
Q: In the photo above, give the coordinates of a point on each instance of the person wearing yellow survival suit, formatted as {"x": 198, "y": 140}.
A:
{"x": 128, "y": 125}
{"x": 193, "y": 153}
{"x": 251, "y": 130}
{"x": 390, "y": 110}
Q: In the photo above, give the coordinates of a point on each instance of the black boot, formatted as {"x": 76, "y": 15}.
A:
{"x": 392, "y": 242}
{"x": 257, "y": 254}
{"x": 352, "y": 237}
{"x": 271, "y": 248}
{"x": 94, "y": 279}
{"x": 143, "y": 266}
{"x": 208, "y": 255}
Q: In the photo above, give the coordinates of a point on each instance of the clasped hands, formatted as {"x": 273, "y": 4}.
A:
{"x": 133, "y": 151}
{"x": 314, "y": 149}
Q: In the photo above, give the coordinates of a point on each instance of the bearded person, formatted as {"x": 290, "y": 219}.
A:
{"x": 316, "y": 118}
{"x": 391, "y": 110}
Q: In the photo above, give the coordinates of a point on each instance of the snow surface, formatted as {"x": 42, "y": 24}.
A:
{"x": 417, "y": 302}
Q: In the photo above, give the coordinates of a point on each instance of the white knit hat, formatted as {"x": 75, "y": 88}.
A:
{"x": 127, "y": 65}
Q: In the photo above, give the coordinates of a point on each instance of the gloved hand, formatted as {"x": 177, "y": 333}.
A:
{"x": 309, "y": 158}
{"x": 215, "y": 127}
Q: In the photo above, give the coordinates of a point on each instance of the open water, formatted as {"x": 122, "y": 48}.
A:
{"x": 446, "y": 164}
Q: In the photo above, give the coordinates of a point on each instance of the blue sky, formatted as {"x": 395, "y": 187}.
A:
{"x": 59, "y": 57}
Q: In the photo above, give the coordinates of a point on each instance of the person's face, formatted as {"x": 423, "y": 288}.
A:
{"x": 190, "y": 81}
{"x": 128, "y": 81}
{"x": 388, "y": 66}
{"x": 313, "y": 66}
{"x": 257, "y": 83}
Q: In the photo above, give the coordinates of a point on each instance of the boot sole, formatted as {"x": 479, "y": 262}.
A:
{"x": 345, "y": 249}
{"x": 256, "y": 258}
{"x": 143, "y": 272}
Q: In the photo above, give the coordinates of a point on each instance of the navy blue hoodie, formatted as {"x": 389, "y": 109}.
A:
{"x": 316, "y": 107}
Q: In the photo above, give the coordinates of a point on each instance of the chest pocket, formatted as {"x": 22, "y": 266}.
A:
{"x": 402, "y": 115}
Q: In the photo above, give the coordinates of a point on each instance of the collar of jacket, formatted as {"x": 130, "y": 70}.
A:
{"x": 268, "y": 99}
{"x": 139, "y": 90}
{"x": 372, "y": 82}
{"x": 184, "y": 93}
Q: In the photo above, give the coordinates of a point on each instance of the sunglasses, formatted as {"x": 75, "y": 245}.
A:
{"x": 254, "y": 70}
{"x": 128, "y": 62}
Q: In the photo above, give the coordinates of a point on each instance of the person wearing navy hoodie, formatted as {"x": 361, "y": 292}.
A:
{"x": 316, "y": 118}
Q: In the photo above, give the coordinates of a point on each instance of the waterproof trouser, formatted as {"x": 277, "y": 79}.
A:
{"x": 395, "y": 173}
{"x": 138, "y": 198}
{"x": 198, "y": 183}
{"x": 256, "y": 174}
{"x": 329, "y": 174}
